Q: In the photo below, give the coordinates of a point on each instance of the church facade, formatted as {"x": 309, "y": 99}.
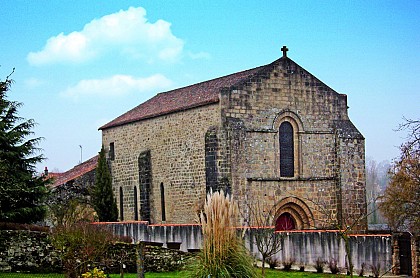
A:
{"x": 275, "y": 135}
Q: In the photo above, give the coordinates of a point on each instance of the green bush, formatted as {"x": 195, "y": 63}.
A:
{"x": 81, "y": 244}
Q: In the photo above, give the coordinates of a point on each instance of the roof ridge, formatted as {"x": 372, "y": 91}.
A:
{"x": 187, "y": 97}
{"x": 76, "y": 171}
{"x": 211, "y": 80}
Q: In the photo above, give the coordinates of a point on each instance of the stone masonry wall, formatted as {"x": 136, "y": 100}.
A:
{"x": 352, "y": 183}
{"x": 28, "y": 251}
{"x": 415, "y": 255}
{"x": 177, "y": 147}
{"x": 321, "y": 194}
{"x": 253, "y": 113}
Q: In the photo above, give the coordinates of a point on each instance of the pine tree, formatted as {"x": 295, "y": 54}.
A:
{"x": 22, "y": 193}
{"x": 102, "y": 195}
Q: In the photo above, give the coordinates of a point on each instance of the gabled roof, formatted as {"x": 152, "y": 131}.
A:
{"x": 76, "y": 171}
{"x": 183, "y": 98}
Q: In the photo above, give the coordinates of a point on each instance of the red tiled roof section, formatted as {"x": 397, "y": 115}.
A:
{"x": 76, "y": 171}
{"x": 181, "y": 99}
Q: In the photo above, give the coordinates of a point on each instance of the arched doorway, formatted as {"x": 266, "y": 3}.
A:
{"x": 292, "y": 214}
{"x": 285, "y": 222}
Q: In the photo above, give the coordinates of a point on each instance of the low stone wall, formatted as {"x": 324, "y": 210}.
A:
{"x": 305, "y": 246}
{"x": 157, "y": 259}
{"x": 189, "y": 235}
{"x": 28, "y": 251}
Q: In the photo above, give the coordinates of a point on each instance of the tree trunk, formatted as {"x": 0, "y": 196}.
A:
{"x": 263, "y": 266}
{"x": 140, "y": 259}
{"x": 348, "y": 253}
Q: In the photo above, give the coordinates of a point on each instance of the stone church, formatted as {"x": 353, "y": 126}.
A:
{"x": 274, "y": 134}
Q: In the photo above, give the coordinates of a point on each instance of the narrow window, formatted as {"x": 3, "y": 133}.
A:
{"x": 211, "y": 160}
{"x": 121, "y": 204}
{"x": 162, "y": 201}
{"x": 145, "y": 185}
{"x": 136, "y": 208}
{"x": 111, "y": 151}
{"x": 287, "y": 160}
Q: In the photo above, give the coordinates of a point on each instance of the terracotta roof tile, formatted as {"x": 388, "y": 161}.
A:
{"x": 183, "y": 98}
{"x": 76, "y": 171}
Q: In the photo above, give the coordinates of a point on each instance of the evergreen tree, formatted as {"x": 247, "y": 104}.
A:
{"x": 102, "y": 195}
{"x": 22, "y": 193}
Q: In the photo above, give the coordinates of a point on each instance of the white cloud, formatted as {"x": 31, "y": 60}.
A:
{"x": 125, "y": 33}
{"x": 199, "y": 55}
{"x": 117, "y": 85}
{"x": 33, "y": 82}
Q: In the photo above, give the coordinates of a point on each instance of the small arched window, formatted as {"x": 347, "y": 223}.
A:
{"x": 287, "y": 157}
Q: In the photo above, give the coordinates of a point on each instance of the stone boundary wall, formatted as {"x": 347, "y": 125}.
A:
{"x": 304, "y": 246}
{"x": 29, "y": 251}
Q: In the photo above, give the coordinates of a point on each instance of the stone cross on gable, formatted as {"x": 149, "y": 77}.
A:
{"x": 284, "y": 49}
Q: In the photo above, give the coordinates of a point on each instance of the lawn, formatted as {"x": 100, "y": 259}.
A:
{"x": 269, "y": 274}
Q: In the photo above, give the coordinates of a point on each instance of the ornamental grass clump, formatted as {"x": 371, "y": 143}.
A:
{"x": 223, "y": 253}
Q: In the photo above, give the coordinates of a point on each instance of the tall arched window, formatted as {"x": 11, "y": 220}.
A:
{"x": 287, "y": 157}
{"x": 121, "y": 204}
{"x": 136, "y": 208}
{"x": 162, "y": 201}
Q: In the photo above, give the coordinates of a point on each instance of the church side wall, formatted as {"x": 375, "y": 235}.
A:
{"x": 177, "y": 153}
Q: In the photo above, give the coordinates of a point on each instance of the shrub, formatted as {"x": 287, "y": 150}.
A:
{"x": 272, "y": 262}
{"x": 81, "y": 244}
{"x": 223, "y": 253}
{"x": 287, "y": 264}
{"x": 94, "y": 273}
{"x": 376, "y": 270}
{"x": 125, "y": 239}
{"x": 333, "y": 266}
{"x": 319, "y": 265}
{"x": 301, "y": 268}
{"x": 362, "y": 270}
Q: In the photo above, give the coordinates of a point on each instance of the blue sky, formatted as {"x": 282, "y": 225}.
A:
{"x": 80, "y": 64}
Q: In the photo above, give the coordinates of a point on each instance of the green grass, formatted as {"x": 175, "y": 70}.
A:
{"x": 269, "y": 274}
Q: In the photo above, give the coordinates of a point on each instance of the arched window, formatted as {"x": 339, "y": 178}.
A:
{"x": 121, "y": 204}
{"x": 162, "y": 201}
{"x": 136, "y": 208}
{"x": 287, "y": 157}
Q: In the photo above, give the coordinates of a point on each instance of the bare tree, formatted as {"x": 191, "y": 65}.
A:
{"x": 400, "y": 203}
{"x": 377, "y": 179}
{"x": 268, "y": 241}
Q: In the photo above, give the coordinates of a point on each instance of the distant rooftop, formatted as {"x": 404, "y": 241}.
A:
{"x": 75, "y": 172}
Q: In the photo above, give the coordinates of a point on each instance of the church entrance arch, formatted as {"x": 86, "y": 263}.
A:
{"x": 293, "y": 214}
{"x": 285, "y": 222}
